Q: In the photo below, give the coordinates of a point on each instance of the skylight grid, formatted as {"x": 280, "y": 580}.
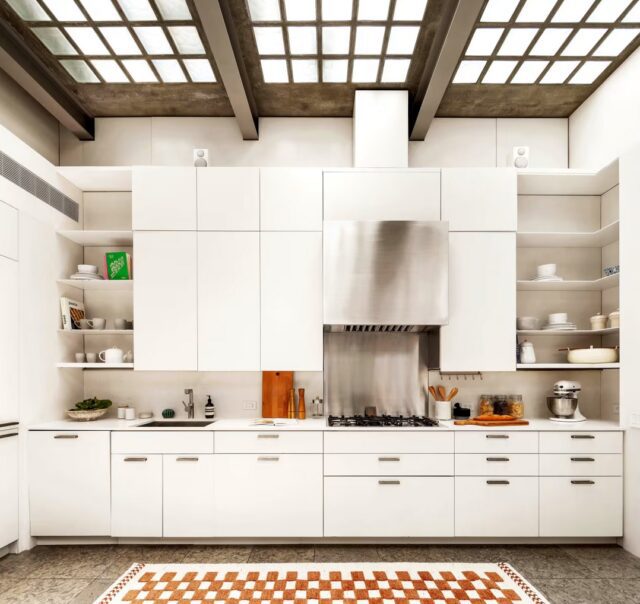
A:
{"x": 548, "y": 41}
{"x": 120, "y": 41}
{"x": 336, "y": 41}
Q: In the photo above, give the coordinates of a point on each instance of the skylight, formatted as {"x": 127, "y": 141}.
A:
{"x": 127, "y": 41}
{"x": 336, "y": 41}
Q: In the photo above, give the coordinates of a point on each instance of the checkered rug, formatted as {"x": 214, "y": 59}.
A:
{"x": 358, "y": 583}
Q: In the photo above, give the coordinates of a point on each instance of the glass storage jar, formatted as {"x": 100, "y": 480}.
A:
{"x": 516, "y": 406}
{"x": 486, "y": 404}
{"x": 500, "y": 405}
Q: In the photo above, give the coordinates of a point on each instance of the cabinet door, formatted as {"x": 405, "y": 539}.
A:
{"x": 8, "y": 231}
{"x": 136, "y": 495}
{"x": 164, "y": 199}
{"x": 9, "y": 340}
{"x": 187, "y": 496}
{"x": 69, "y": 483}
{"x": 228, "y": 301}
{"x": 270, "y": 495}
{"x": 165, "y": 301}
{"x": 387, "y": 506}
{"x": 290, "y": 199}
{"x": 8, "y": 487}
{"x": 291, "y": 301}
{"x": 480, "y": 199}
{"x": 228, "y": 199}
{"x": 480, "y": 335}
{"x": 385, "y": 195}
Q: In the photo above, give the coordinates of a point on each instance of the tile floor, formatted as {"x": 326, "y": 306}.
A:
{"x": 78, "y": 574}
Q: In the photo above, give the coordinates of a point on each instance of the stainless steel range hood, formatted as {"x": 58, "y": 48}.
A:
{"x": 390, "y": 276}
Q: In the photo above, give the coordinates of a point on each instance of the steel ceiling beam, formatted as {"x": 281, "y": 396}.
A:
{"x": 218, "y": 27}
{"x": 17, "y": 60}
{"x": 440, "y": 67}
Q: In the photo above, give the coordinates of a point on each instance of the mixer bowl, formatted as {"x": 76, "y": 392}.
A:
{"x": 562, "y": 406}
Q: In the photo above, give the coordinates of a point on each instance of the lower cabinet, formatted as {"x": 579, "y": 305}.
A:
{"x": 363, "y": 506}
{"x": 267, "y": 495}
{"x": 9, "y": 487}
{"x": 69, "y": 483}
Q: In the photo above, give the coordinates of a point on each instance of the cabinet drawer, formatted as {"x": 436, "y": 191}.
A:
{"x": 581, "y": 507}
{"x": 475, "y": 464}
{"x": 269, "y": 442}
{"x": 580, "y": 442}
{"x": 161, "y": 442}
{"x": 497, "y": 441}
{"x": 371, "y": 464}
{"x": 600, "y": 464}
{"x": 388, "y": 442}
{"x": 496, "y": 507}
{"x": 388, "y": 507}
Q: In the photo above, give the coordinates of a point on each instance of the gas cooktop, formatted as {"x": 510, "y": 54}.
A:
{"x": 395, "y": 421}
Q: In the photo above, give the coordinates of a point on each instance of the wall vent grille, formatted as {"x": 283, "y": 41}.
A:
{"x": 31, "y": 183}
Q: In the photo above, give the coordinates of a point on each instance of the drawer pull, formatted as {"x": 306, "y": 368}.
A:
{"x": 498, "y": 459}
{"x": 582, "y": 482}
{"x": 583, "y": 436}
{"x": 388, "y": 459}
{"x": 268, "y": 436}
{"x": 268, "y": 459}
{"x": 497, "y": 436}
{"x": 498, "y": 482}
{"x": 582, "y": 459}
{"x": 388, "y": 482}
{"x": 66, "y": 436}
{"x": 135, "y": 459}
{"x": 8, "y": 435}
{"x": 187, "y": 458}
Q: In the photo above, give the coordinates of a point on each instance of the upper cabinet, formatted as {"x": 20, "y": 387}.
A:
{"x": 8, "y": 231}
{"x": 480, "y": 199}
{"x": 228, "y": 199}
{"x": 382, "y": 195}
{"x": 164, "y": 199}
{"x": 290, "y": 199}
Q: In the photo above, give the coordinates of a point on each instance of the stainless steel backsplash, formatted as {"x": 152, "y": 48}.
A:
{"x": 384, "y": 370}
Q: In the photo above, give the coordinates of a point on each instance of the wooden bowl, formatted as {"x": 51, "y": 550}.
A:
{"x": 87, "y": 415}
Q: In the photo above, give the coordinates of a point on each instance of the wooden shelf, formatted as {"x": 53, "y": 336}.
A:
{"x": 95, "y": 365}
{"x": 532, "y": 181}
{"x": 98, "y": 178}
{"x": 99, "y": 238}
{"x": 566, "y": 366}
{"x": 599, "y": 238}
{"x": 97, "y": 332}
{"x": 99, "y": 284}
{"x": 575, "y": 286}
{"x": 568, "y": 332}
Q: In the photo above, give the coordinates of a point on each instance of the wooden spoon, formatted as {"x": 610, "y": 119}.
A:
{"x": 453, "y": 392}
{"x": 433, "y": 392}
{"x": 443, "y": 393}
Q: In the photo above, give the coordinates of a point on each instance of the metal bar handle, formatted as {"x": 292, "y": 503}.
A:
{"x": 582, "y": 459}
{"x": 388, "y": 482}
{"x": 498, "y": 482}
{"x": 388, "y": 459}
{"x": 8, "y": 435}
{"x": 268, "y": 459}
{"x": 66, "y": 436}
{"x": 268, "y": 436}
{"x": 187, "y": 458}
{"x": 582, "y": 482}
{"x": 135, "y": 459}
{"x": 583, "y": 436}
{"x": 498, "y": 459}
{"x": 497, "y": 436}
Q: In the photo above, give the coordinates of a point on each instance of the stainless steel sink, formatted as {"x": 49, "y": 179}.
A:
{"x": 176, "y": 424}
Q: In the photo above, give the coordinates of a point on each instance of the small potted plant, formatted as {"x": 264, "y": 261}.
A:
{"x": 89, "y": 409}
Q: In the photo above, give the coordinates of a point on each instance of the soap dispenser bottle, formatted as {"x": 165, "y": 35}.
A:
{"x": 209, "y": 408}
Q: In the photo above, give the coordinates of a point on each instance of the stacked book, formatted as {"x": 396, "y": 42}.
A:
{"x": 117, "y": 266}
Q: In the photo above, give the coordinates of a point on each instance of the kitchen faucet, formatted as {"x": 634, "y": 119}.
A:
{"x": 190, "y": 409}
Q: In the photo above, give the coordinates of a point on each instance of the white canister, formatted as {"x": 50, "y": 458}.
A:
{"x": 614, "y": 319}
{"x": 443, "y": 410}
{"x": 598, "y": 321}
{"x": 129, "y": 413}
{"x": 527, "y": 353}
{"x": 122, "y": 412}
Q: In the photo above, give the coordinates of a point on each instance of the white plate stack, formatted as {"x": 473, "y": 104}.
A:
{"x": 547, "y": 272}
{"x": 559, "y": 321}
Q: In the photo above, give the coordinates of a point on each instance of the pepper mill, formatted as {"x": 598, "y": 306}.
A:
{"x": 291, "y": 409}
{"x": 302, "y": 412}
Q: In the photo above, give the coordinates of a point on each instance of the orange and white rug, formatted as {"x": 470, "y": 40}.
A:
{"x": 357, "y": 583}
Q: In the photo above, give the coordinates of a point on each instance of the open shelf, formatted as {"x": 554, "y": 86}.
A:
{"x": 99, "y": 284}
{"x": 98, "y": 332}
{"x": 571, "y": 286}
{"x": 98, "y": 178}
{"x": 568, "y": 332}
{"x": 567, "y": 181}
{"x": 599, "y": 238}
{"x": 566, "y": 366}
{"x": 95, "y": 365}
{"x": 99, "y": 238}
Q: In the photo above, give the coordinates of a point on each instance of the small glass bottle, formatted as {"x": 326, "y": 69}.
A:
{"x": 209, "y": 408}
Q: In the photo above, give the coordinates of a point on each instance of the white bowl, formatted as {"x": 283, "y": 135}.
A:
{"x": 527, "y": 323}
{"x": 558, "y": 317}
{"x": 547, "y": 270}
{"x": 88, "y": 269}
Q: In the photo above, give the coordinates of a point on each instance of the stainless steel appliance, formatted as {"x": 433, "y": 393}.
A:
{"x": 564, "y": 402}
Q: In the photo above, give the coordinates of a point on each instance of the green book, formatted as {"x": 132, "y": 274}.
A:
{"x": 117, "y": 266}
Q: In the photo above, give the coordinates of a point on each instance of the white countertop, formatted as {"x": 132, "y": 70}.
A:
{"x": 318, "y": 425}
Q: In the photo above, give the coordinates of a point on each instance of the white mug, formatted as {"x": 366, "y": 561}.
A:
{"x": 80, "y": 357}
{"x": 111, "y": 355}
{"x": 98, "y": 323}
{"x": 119, "y": 323}
{"x": 129, "y": 413}
{"x": 92, "y": 357}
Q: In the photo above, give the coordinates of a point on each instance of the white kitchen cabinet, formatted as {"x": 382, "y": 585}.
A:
{"x": 267, "y": 441}
{"x": 164, "y": 199}
{"x": 480, "y": 199}
{"x": 269, "y": 495}
{"x": 290, "y": 199}
{"x": 384, "y": 506}
{"x": 581, "y": 507}
{"x": 136, "y": 495}
{"x": 188, "y": 495}
{"x": 228, "y": 301}
{"x": 291, "y": 301}
{"x": 580, "y": 464}
{"x": 480, "y": 335}
{"x": 581, "y": 442}
{"x": 9, "y": 340}
{"x": 493, "y": 506}
{"x": 8, "y": 487}
{"x": 8, "y": 231}
{"x": 69, "y": 483}
{"x": 496, "y": 441}
{"x": 473, "y": 464}
{"x": 165, "y": 301}
{"x": 359, "y": 441}
{"x": 374, "y": 464}
{"x": 228, "y": 199}
{"x": 382, "y": 195}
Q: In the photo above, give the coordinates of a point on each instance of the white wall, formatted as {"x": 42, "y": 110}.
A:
{"x": 608, "y": 123}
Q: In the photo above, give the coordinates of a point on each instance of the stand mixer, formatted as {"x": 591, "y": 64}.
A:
{"x": 564, "y": 402}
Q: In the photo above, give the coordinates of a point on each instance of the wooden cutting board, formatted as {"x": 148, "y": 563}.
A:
{"x": 276, "y": 389}
{"x": 475, "y": 422}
